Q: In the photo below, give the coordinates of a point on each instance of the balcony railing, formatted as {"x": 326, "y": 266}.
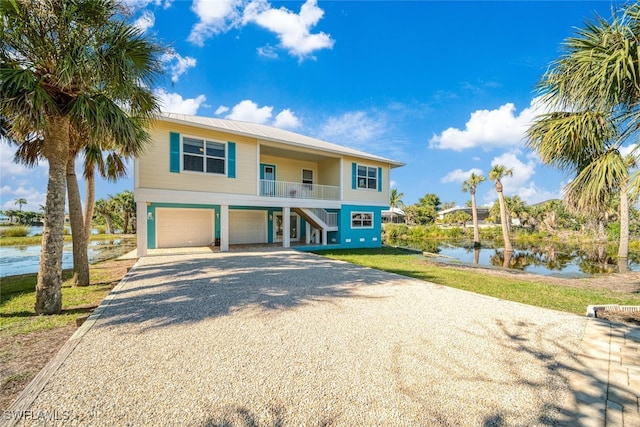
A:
{"x": 297, "y": 190}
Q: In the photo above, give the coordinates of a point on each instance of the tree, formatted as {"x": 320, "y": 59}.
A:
{"x": 70, "y": 65}
{"x": 125, "y": 208}
{"x": 470, "y": 186}
{"x": 592, "y": 93}
{"x": 106, "y": 209}
{"x": 20, "y": 201}
{"x": 395, "y": 200}
{"x": 496, "y": 174}
{"x": 430, "y": 200}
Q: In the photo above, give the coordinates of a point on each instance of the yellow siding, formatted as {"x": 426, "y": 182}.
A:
{"x": 290, "y": 170}
{"x": 362, "y": 195}
{"x": 329, "y": 172}
{"x": 153, "y": 169}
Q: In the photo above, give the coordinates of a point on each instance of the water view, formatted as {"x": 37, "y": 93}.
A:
{"x": 25, "y": 259}
{"x": 555, "y": 259}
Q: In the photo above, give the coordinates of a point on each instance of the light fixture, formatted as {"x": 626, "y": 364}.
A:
{"x": 150, "y": 216}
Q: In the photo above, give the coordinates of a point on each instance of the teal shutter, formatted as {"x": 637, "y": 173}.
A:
{"x": 231, "y": 159}
{"x": 379, "y": 179}
{"x": 174, "y": 152}
{"x": 354, "y": 176}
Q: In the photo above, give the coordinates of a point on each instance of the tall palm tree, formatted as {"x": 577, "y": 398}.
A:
{"x": 395, "y": 200}
{"x": 71, "y": 65}
{"x": 470, "y": 186}
{"x": 623, "y": 248}
{"x": 496, "y": 174}
{"x": 20, "y": 201}
{"x": 593, "y": 93}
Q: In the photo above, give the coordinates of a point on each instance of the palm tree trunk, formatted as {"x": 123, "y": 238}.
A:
{"x": 505, "y": 225}
{"x": 623, "y": 249}
{"x": 80, "y": 256}
{"x": 474, "y": 214}
{"x": 91, "y": 198}
{"x": 49, "y": 283}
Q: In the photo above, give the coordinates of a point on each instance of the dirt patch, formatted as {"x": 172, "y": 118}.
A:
{"x": 631, "y": 317}
{"x": 23, "y": 356}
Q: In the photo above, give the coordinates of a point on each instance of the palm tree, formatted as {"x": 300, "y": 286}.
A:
{"x": 20, "y": 201}
{"x": 623, "y": 248}
{"x": 496, "y": 174}
{"x": 470, "y": 185}
{"x": 395, "y": 200}
{"x": 65, "y": 66}
{"x": 592, "y": 91}
{"x": 106, "y": 209}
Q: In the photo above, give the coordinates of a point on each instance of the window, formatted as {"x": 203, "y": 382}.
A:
{"x": 307, "y": 178}
{"x": 367, "y": 177}
{"x": 203, "y": 156}
{"x": 362, "y": 220}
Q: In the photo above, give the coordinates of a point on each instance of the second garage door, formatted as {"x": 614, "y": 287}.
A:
{"x": 247, "y": 227}
{"x": 184, "y": 227}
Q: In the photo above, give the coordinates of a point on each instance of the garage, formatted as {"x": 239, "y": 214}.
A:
{"x": 247, "y": 227}
{"x": 184, "y": 227}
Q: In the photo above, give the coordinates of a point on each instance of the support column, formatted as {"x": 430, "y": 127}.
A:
{"x": 286, "y": 227}
{"x": 324, "y": 236}
{"x": 307, "y": 234}
{"x": 141, "y": 228}
{"x": 224, "y": 228}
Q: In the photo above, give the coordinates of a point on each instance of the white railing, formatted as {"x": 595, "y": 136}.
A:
{"x": 298, "y": 190}
{"x": 329, "y": 218}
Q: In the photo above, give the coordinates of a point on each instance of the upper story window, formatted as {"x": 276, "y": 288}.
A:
{"x": 199, "y": 155}
{"x": 307, "y": 178}
{"x": 367, "y": 177}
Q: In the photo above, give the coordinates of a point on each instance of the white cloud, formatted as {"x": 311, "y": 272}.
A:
{"x": 489, "y": 129}
{"x": 177, "y": 64}
{"x": 174, "y": 103}
{"x": 459, "y": 175}
{"x": 628, "y": 149}
{"x": 216, "y": 16}
{"x": 221, "y": 110}
{"x": 286, "y": 120}
{"x": 248, "y": 111}
{"x": 267, "y": 51}
{"x": 293, "y": 30}
{"x": 145, "y": 21}
{"x": 521, "y": 183}
{"x": 392, "y": 184}
{"x": 355, "y": 126}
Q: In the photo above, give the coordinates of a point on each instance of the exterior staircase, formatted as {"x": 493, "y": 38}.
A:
{"x": 320, "y": 220}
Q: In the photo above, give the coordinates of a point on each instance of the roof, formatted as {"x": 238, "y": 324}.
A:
{"x": 392, "y": 210}
{"x": 268, "y": 133}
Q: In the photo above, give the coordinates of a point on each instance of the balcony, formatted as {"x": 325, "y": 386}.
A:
{"x": 297, "y": 190}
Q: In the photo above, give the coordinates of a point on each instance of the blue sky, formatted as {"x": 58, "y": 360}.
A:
{"x": 445, "y": 87}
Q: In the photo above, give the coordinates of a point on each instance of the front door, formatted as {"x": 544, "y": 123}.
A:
{"x": 278, "y": 227}
{"x": 267, "y": 180}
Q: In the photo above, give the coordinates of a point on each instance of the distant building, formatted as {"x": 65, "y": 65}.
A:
{"x": 483, "y": 212}
{"x": 393, "y": 215}
{"x": 4, "y": 220}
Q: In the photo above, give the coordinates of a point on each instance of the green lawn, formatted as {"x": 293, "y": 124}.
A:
{"x": 17, "y": 299}
{"x": 538, "y": 293}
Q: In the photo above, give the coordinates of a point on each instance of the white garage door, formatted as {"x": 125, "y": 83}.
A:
{"x": 247, "y": 227}
{"x": 184, "y": 227}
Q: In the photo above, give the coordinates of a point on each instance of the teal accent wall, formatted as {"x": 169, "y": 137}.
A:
{"x": 174, "y": 152}
{"x": 360, "y": 237}
{"x": 231, "y": 161}
{"x": 151, "y": 223}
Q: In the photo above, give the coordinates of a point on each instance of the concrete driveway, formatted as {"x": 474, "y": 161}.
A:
{"x": 280, "y": 337}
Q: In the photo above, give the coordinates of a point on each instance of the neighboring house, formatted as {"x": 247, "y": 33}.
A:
{"x": 4, "y": 220}
{"x": 207, "y": 181}
{"x": 393, "y": 215}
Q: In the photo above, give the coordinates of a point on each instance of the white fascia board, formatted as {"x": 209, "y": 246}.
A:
{"x": 152, "y": 195}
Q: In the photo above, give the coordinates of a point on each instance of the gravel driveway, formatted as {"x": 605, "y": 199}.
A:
{"x": 280, "y": 338}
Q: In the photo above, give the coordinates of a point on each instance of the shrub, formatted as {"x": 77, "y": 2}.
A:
{"x": 15, "y": 231}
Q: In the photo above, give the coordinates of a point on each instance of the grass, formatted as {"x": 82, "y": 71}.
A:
{"x": 17, "y": 299}
{"x": 537, "y": 293}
